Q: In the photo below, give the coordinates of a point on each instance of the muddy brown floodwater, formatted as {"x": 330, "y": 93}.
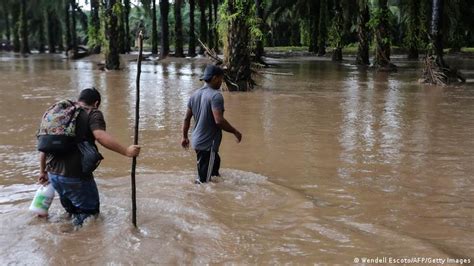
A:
{"x": 336, "y": 163}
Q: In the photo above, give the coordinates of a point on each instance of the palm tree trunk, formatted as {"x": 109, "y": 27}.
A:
{"x": 413, "y": 28}
{"x": 436, "y": 70}
{"x": 67, "y": 21}
{"x": 259, "y": 50}
{"x": 126, "y": 15}
{"x": 192, "y": 36}
{"x": 16, "y": 26}
{"x": 24, "y": 47}
{"x": 338, "y": 28}
{"x": 216, "y": 34}
{"x": 94, "y": 28}
{"x": 363, "y": 33}
{"x": 165, "y": 41}
{"x": 210, "y": 32}
{"x": 382, "y": 39}
{"x": 112, "y": 58}
{"x": 7, "y": 24}
{"x": 237, "y": 54}
{"x": 154, "y": 29}
{"x": 73, "y": 26}
{"x": 178, "y": 28}
{"x": 121, "y": 31}
{"x": 314, "y": 10}
{"x": 322, "y": 27}
{"x": 203, "y": 25}
{"x": 51, "y": 22}
{"x": 41, "y": 37}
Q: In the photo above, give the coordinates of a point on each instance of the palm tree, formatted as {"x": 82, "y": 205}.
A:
{"x": 112, "y": 58}
{"x": 436, "y": 70}
{"x": 323, "y": 10}
{"x": 216, "y": 35}
{"x": 203, "y": 24}
{"x": 382, "y": 38}
{"x": 72, "y": 6}
{"x": 15, "y": 7}
{"x": 178, "y": 28}
{"x": 237, "y": 49}
{"x": 210, "y": 32}
{"x": 165, "y": 43}
{"x": 337, "y": 31}
{"x": 6, "y": 13}
{"x": 52, "y": 9}
{"x": 192, "y": 36}
{"x": 126, "y": 15}
{"x": 259, "y": 51}
{"x": 363, "y": 18}
{"x": 94, "y": 28}
{"x": 314, "y": 11}
{"x": 154, "y": 29}
{"x": 24, "y": 46}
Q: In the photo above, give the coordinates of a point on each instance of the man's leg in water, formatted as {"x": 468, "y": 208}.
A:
{"x": 79, "y": 195}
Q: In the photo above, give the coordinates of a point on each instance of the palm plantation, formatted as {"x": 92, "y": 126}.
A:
{"x": 172, "y": 27}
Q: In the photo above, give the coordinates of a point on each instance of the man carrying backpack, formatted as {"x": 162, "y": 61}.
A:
{"x": 77, "y": 190}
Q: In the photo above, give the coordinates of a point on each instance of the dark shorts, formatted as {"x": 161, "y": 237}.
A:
{"x": 208, "y": 164}
{"x": 77, "y": 195}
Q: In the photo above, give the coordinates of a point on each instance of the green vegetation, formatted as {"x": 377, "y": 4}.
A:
{"x": 360, "y": 27}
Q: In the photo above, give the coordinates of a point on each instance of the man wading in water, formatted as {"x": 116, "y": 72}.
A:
{"x": 78, "y": 191}
{"x": 206, "y": 105}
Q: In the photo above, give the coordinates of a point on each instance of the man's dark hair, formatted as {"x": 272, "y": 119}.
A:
{"x": 89, "y": 96}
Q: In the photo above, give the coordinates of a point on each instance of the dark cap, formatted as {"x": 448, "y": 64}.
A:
{"x": 210, "y": 71}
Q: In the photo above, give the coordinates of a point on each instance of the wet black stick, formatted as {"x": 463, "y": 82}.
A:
{"x": 135, "y": 140}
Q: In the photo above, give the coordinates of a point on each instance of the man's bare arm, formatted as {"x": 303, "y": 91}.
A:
{"x": 106, "y": 140}
{"x": 225, "y": 125}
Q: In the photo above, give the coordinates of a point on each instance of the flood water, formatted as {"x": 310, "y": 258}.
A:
{"x": 336, "y": 163}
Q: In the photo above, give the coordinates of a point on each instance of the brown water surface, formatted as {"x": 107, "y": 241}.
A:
{"x": 336, "y": 163}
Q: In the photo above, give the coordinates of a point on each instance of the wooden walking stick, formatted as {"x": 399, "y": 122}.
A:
{"x": 135, "y": 140}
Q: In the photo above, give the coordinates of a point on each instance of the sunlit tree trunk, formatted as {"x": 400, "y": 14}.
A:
{"x": 203, "y": 24}
{"x": 382, "y": 38}
{"x": 192, "y": 35}
{"x": 363, "y": 18}
{"x": 178, "y": 26}
{"x": 24, "y": 46}
{"x": 154, "y": 29}
{"x": 165, "y": 38}
{"x": 112, "y": 58}
{"x": 237, "y": 52}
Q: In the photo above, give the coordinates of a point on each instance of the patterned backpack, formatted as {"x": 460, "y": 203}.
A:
{"x": 57, "y": 132}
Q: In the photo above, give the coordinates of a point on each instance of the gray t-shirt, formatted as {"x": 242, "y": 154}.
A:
{"x": 206, "y": 133}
